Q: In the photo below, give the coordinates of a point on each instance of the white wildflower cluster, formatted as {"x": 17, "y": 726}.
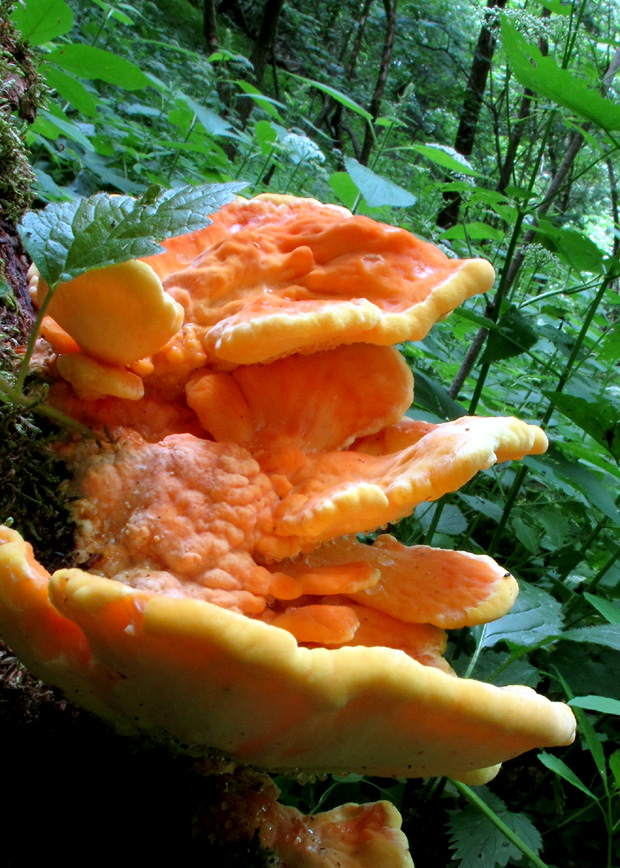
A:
{"x": 301, "y": 149}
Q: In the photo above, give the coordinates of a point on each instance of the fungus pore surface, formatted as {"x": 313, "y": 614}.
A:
{"x": 220, "y": 596}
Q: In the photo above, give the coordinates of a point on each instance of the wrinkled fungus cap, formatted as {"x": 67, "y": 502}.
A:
{"x": 277, "y": 275}
{"x": 228, "y": 604}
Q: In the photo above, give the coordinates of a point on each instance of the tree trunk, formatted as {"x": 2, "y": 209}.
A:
{"x": 266, "y": 39}
{"x": 329, "y": 103}
{"x": 470, "y": 112}
{"x": 264, "y": 45}
{"x": 209, "y": 25}
{"x": 384, "y": 69}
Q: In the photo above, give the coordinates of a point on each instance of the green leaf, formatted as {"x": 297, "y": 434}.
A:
{"x": 344, "y": 187}
{"x": 213, "y": 123}
{"x": 560, "y": 768}
{"x": 346, "y": 101}
{"x": 498, "y": 668}
{"x": 269, "y": 106}
{"x": 546, "y": 78}
{"x": 488, "y": 508}
{"x": 113, "y": 12}
{"x": 609, "y": 349}
{"x": 480, "y": 844}
{"x": 535, "y": 616}
{"x": 614, "y": 765}
{"x": 376, "y": 189}
{"x": 447, "y": 158}
{"x": 69, "y": 238}
{"x": 607, "y": 635}
{"x": 265, "y": 136}
{"x": 54, "y": 124}
{"x": 610, "y": 612}
{"x": 88, "y": 62}
{"x": 41, "y": 21}
{"x": 451, "y": 521}
{"x": 557, "y": 469}
{"x": 72, "y": 90}
{"x": 475, "y": 231}
{"x": 576, "y": 248}
{"x": 556, "y": 6}
{"x": 515, "y": 334}
{"x": 526, "y": 534}
{"x": 603, "y": 704}
{"x": 433, "y": 397}
{"x": 600, "y": 418}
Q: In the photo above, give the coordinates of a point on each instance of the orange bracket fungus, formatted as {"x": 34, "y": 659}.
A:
{"x": 220, "y": 596}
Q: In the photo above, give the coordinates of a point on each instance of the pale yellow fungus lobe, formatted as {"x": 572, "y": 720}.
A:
{"x": 92, "y": 379}
{"x": 117, "y": 314}
{"x": 211, "y": 676}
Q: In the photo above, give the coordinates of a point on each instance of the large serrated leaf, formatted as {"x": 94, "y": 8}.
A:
{"x": 607, "y": 635}
{"x": 536, "y": 616}
{"x": 66, "y": 239}
{"x": 480, "y": 844}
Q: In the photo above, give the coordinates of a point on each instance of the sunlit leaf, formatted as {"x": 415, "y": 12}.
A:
{"x": 41, "y": 21}
{"x": 474, "y": 231}
{"x": 268, "y": 105}
{"x": 72, "y": 90}
{"x": 447, "y": 158}
{"x": 67, "y": 239}
{"x": 545, "y": 77}
{"x": 376, "y": 189}
{"x": 344, "y": 187}
{"x": 344, "y": 100}
{"x": 603, "y": 704}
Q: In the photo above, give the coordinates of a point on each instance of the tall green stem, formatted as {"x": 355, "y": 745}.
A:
{"x": 520, "y": 477}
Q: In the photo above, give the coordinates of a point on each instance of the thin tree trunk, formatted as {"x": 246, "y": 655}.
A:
{"x": 209, "y": 25}
{"x": 266, "y": 39}
{"x": 384, "y": 69}
{"x": 264, "y": 46}
{"x": 329, "y": 103}
{"x": 470, "y": 112}
{"x": 553, "y": 190}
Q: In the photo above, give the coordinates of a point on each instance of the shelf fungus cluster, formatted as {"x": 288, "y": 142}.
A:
{"x": 256, "y": 401}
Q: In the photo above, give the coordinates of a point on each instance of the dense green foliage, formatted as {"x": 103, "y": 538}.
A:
{"x": 136, "y": 99}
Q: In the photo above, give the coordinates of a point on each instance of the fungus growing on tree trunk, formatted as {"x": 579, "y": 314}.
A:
{"x": 220, "y": 596}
